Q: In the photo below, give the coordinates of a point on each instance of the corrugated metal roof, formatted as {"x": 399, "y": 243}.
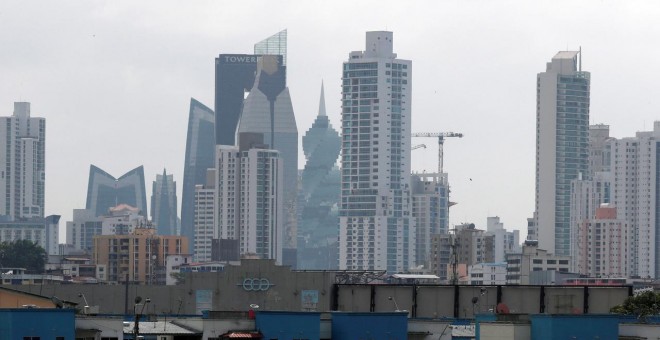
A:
{"x": 159, "y": 328}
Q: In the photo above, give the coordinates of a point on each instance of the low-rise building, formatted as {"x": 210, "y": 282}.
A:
{"x": 140, "y": 256}
{"x": 531, "y": 259}
{"x": 487, "y": 273}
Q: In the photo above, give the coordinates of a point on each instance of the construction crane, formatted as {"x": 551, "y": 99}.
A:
{"x": 418, "y": 146}
{"x": 441, "y": 140}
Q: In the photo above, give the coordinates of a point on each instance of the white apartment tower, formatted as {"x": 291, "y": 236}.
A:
{"x": 562, "y": 146}
{"x": 635, "y": 164}
{"x": 249, "y": 197}
{"x": 204, "y": 218}
{"x": 22, "y": 160}
{"x": 377, "y": 231}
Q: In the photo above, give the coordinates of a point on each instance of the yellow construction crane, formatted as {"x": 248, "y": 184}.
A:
{"x": 418, "y": 146}
{"x": 441, "y": 140}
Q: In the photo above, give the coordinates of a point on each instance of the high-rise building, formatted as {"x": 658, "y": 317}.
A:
{"x": 234, "y": 77}
{"x": 249, "y": 197}
{"x": 200, "y": 155}
{"x": 81, "y": 231}
{"x": 319, "y": 195}
{"x": 504, "y": 241}
{"x": 635, "y": 166}
{"x": 586, "y": 197}
{"x": 204, "y": 218}
{"x": 105, "y": 191}
{"x": 377, "y": 231}
{"x": 604, "y": 245}
{"x": 562, "y": 146}
{"x": 163, "y": 205}
{"x": 430, "y": 208}
{"x": 268, "y": 111}
{"x": 22, "y": 160}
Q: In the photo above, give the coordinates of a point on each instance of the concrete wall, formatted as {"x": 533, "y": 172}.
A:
{"x": 504, "y": 330}
{"x": 278, "y": 288}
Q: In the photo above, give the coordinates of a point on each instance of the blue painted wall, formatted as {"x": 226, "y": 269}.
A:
{"x": 370, "y": 326}
{"x": 45, "y": 323}
{"x": 590, "y": 326}
{"x": 289, "y": 325}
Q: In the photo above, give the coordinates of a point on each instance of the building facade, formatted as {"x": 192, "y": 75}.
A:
{"x": 42, "y": 231}
{"x": 267, "y": 110}
{"x": 81, "y": 230}
{"x": 23, "y": 164}
{"x": 319, "y": 195}
{"x": 249, "y": 197}
{"x": 430, "y": 209}
{"x": 204, "y": 219}
{"x": 164, "y": 205}
{"x": 635, "y": 166}
{"x": 504, "y": 241}
{"x": 377, "y": 230}
{"x": 200, "y": 155}
{"x": 105, "y": 191}
{"x": 604, "y": 245}
{"x": 487, "y": 273}
{"x": 140, "y": 255}
{"x": 531, "y": 259}
{"x": 562, "y": 146}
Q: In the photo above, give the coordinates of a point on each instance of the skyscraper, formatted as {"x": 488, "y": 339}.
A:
{"x": 635, "y": 166}
{"x": 377, "y": 231}
{"x": 562, "y": 146}
{"x": 249, "y": 197}
{"x": 200, "y": 155}
{"x": 430, "y": 202}
{"x": 234, "y": 77}
{"x": 319, "y": 218}
{"x": 22, "y": 160}
{"x": 268, "y": 111}
{"x": 105, "y": 192}
{"x": 163, "y": 205}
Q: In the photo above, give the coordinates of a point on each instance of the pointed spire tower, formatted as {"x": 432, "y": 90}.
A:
{"x": 320, "y": 194}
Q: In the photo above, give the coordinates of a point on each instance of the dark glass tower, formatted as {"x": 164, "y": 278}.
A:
{"x": 318, "y": 228}
{"x": 200, "y": 154}
{"x": 105, "y": 191}
{"x": 163, "y": 204}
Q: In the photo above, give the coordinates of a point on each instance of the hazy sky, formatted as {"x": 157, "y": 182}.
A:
{"x": 114, "y": 79}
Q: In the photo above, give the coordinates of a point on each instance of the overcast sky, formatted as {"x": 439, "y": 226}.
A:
{"x": 114, "y": 79}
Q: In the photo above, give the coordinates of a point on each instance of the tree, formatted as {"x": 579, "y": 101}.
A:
{"x": 644, "y": 304}
{"x": 23, "y": 254}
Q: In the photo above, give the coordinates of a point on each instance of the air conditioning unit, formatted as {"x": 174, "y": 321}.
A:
{"x": 90, "y": 310}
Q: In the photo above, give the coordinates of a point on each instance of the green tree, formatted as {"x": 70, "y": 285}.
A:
{"x": 23, "y": 254}
{"x": 644, "y": 304}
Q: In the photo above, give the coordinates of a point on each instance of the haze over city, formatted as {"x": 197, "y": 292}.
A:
{"x": 114, "y": 80}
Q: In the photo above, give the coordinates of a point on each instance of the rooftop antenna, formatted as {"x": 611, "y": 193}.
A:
{"x": 580, "y": 52}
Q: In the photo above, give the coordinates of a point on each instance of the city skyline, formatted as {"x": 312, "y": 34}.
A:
{"x": 477, "y": 80}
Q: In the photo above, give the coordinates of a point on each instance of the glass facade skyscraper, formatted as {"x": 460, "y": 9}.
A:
{"x": 105, "y": 191}
{"x": 200, "y": 155}
{"x": 377, "y": 231}
{"x": 562, "y": 146}
{"x": 319, "y": 195}
{"x": 163, "y": 205}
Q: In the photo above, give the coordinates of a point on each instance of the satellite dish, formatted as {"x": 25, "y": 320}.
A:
{"x": 138, "y": 299}
{"x": 475, "y": 300}
{"x": 502, "y": 308}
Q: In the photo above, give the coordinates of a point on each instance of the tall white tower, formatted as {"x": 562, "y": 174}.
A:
{"x": 377, "y": 231}
{"x": 562, "y": 146}
{"x": 22, "y": 163}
